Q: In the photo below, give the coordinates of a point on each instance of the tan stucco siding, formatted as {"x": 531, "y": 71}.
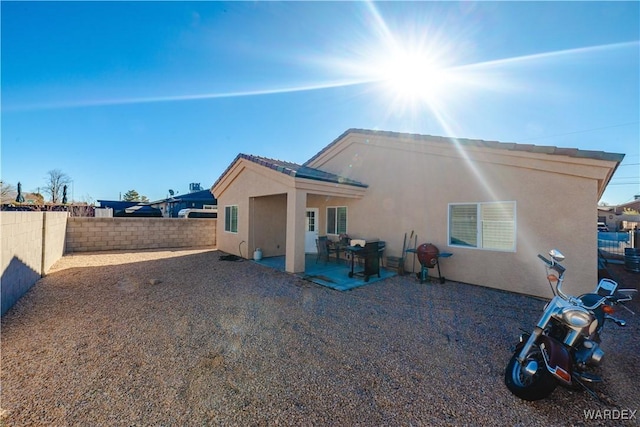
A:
{"x": 269, "y": 224}
{"x": 322, "y": 202}
{"x": 410, "y": 190}
{"x": 251, "y": 182}
{"x": 410, "y": 184}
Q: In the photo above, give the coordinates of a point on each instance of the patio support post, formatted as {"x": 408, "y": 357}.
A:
{"x": 296, "y": 205}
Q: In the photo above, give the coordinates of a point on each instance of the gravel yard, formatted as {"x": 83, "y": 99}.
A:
{"x": 183, "y": 338}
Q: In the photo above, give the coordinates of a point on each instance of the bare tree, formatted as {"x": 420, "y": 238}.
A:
{"x": 56, "y": 180}
{"x": 7, "y": 192}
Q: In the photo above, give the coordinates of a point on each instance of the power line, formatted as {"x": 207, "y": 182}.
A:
{"x": 580, "y": 131}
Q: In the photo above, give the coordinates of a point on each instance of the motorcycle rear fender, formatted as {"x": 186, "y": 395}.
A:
{"x": 556, "y": 358}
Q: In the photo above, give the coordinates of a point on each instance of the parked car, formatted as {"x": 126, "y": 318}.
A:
{"x": 602, "y": 227}
{"x": 198, "y": 213}
{"x": 139, "y": 211}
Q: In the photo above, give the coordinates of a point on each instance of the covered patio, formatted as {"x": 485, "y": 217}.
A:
{"x": 333, "y": 274}
{"x": 278, "y": 207}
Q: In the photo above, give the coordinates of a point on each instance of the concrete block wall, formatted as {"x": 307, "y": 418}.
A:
{"x": 55, "y": 233}
{"x": 31, "y": 243}
{"x": 104, "y": 234}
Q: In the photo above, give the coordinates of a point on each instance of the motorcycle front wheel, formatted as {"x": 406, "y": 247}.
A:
{"x": 526, "y": 386}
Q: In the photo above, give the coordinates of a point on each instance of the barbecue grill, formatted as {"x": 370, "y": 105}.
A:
{"x": 369, "y": 251}
{"x": 429, "y": 256}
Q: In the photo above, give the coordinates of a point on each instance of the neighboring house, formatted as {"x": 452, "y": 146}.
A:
{"x": 130, "y": 209}
{"x": 606, "y": 215}
{"x": 624, "y": 217}
{"x": 139, "y": 211}
{"x": 633, "y": 206}
{"x": 629, "y": 217}
{"x": 29, "y": 199}
{"x": 116, "y": 205}
{"x": 486, "y": 202}
{"x": 195, "y": 200}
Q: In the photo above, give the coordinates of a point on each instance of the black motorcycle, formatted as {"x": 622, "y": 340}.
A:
{"x": 566, "y": 340}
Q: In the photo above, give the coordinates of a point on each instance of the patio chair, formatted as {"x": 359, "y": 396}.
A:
{"x": 324, "y": 249}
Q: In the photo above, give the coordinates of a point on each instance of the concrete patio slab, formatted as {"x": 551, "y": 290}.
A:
{"x": 332, "y": 274}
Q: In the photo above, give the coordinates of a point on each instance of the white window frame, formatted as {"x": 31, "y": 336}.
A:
{"x": 228, "y": 219}
{"x": 336, "y": 223}
{"x": 483, "y": 226}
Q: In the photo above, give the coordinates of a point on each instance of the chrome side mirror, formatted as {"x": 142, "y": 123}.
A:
{"x": 556, "y": 255}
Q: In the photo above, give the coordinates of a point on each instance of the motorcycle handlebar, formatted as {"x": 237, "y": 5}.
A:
{"x": 546, "y": 261}
{"x": 551, "y": 264}
{"x": 560, "y": 270}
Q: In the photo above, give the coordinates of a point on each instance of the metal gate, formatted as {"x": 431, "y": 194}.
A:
{"x": 612, "y": 245}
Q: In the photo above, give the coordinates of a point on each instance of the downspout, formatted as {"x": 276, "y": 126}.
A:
{"x": 251, "y": 244}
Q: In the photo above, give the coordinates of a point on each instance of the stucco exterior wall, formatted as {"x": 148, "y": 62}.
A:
{"x": 31, "y": 243}
{"x": 252, "y": 182}
{"x": 269, "y": 221}
{"x": 411, "y": 180}
{"x": 102, "y": 234}
{"x": 411, "y": 186}
{"x": 323, "y": 202}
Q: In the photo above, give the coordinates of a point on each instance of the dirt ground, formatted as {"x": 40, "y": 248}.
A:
{"x": 185, "y": 338}
{"x": 625, "y": 278}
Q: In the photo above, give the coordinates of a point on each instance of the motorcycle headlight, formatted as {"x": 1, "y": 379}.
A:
{"x": 577, "y": 317}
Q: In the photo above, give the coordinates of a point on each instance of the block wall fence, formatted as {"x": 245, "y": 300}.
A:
{"x": 85, "y": 234}
{"x": 33, "y": 241}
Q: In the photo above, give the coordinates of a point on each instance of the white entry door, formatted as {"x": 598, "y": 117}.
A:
{"x": 311, "y": 230}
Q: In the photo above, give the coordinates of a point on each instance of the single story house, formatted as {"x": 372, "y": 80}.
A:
{"x": 139, "y": 211}
{"x": 624, "y": 217}
{"x": 130, "y": 209}
{"x": 196, "y": 200}
{"x": 485, "y": 202}
{"x": 631, "y": 207}
{"x": 116, "y": 205}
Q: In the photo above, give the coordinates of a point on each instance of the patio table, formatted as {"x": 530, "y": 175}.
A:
{"x": 339, "y": 247}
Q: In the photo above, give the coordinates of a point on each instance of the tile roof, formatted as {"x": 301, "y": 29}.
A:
{"x": 305, "y": 171}
{"x": 634, "y": 204}
{"x": 117, "y": 205}
{"x": 531, "y": 148}
{"x": 203, "y": 195}
{"x": 196, "y": 196}
{"x": 294, "y": 170}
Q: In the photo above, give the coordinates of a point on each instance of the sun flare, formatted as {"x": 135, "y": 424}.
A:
{"x": 411, "y": 76}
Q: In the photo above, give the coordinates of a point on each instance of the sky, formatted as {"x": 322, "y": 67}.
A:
{"x": 153, "y": 96}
